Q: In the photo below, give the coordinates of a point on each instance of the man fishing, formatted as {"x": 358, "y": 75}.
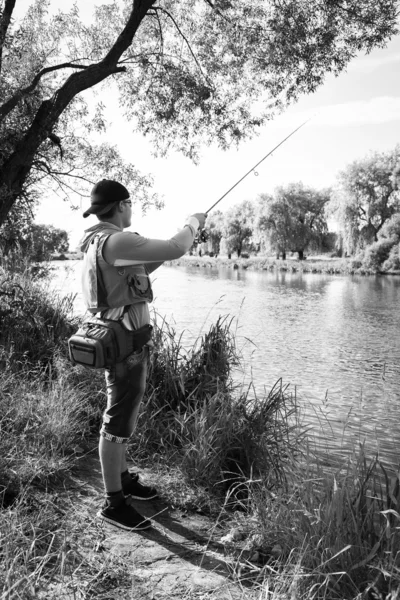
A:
{"x": 120, "y": 267}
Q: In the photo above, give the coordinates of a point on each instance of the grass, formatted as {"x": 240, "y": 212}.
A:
{"x": 216, "y": 432}
{"x": 295, "y": 526}
{"x": 35, "y": 325}
{"x": 336, "y": 534}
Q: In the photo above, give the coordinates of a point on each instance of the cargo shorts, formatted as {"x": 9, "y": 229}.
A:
{"x": 126, "y": 384}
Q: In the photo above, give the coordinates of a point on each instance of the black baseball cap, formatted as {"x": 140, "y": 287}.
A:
{"x": 104, "y": 195}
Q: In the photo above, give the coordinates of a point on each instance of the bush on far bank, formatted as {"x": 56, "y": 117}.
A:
{"x": 384, "y": 254}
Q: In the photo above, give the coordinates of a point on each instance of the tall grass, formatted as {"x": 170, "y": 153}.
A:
{"x": 328, "y": 535}
{"x": 35, "y": 324}
{"x": 300, "y": 530}
{"x": 196, "y": 415}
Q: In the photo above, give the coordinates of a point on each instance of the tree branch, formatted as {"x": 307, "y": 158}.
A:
{"x": 12, "y": 102}
{"x": 4, "y": 24}
{"x": 159, "y": 8}
{"x": 16, "y": 168}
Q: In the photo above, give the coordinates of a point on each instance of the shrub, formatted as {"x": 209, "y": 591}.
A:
{"x": 377, "y": 253}
{"x": 391, "y": 229}
{"x": 393, "y": 260}
{"x": 35, "y": 323}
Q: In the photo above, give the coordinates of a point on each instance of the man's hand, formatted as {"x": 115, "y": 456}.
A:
{"x": 201, "y": 217}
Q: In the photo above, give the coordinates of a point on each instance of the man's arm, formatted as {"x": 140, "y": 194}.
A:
{"x": 130, "y": 248}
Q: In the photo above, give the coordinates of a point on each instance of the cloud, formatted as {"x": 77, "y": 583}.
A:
{"x": 379, "y": 110}
{"x": 369, "y": 63}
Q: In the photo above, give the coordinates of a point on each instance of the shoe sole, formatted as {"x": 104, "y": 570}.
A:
{"x": 141, "y": 497}
{"x": 139, "y": 527}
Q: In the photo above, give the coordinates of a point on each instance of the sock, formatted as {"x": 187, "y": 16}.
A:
{"x": 126, "y": 477}
{"x": 115, "y": 499}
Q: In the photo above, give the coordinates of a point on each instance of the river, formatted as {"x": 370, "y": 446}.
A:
{"x": 334, "y": 339}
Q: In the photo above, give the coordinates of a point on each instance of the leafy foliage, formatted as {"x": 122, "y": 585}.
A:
{"x": 44, "y": 240}
{"x": 384, "y": 254}
{"x": 293, "y": 218}
{"x": 215, "y": 230}
{"x": 366, "y": 198}
{"x": 188, "y": 73}
{"x": 238, "y": 226}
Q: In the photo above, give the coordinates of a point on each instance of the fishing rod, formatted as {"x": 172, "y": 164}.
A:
{"x": 203, "y": 235}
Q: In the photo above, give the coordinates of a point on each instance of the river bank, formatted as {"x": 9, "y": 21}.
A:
{"x": 317, "y": 264}
{"x": 239, "y": 478}
{"x": 321, "y": 264}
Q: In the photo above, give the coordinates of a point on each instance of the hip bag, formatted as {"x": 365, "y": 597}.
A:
{"x": 100, "y": 343}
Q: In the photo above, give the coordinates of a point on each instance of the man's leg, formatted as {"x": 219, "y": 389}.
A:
{"x": 112, "y": 455}
{"x": 137, "y": 373}
{"x": 123, "y": 400}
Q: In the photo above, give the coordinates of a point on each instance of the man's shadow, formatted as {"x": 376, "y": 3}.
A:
{"x": 203, "y": 557}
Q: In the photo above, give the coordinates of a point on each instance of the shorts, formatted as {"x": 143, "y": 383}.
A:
{"x": 126, "y": 384}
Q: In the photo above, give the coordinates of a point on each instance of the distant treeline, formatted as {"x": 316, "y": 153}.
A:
{"x": 364, "y": 204}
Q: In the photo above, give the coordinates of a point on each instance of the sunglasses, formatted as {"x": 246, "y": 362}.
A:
{"x": 127, "y": 202}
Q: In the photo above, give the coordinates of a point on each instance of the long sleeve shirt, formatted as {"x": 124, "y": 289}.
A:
{"x": 127, "y": 248}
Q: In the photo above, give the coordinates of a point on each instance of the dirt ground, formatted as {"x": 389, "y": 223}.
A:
{"x": 180, "y": 557}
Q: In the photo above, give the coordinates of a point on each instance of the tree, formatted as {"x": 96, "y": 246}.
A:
{"x": 384, "y": 253}
{"x": 17, "y": 224}
{"x": 273, "y": 224}
{"x": 44, "y": 240}
{"x": 366, "y": 197}
{"x": 214, "y": 227}
{"x": 188, "y": 72}
{"x": 238, "y": 226}
{"x": 294, "y": 218}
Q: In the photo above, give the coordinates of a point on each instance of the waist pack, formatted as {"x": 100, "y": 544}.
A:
{"x": 100, "y": 343}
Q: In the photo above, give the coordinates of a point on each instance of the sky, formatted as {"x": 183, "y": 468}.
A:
{"x": 353, "y": 114}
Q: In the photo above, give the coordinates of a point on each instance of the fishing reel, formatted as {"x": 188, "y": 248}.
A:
{"x": 201, "y": 237}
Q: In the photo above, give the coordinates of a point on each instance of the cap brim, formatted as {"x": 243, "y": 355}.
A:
{"x": 98, "y": 209}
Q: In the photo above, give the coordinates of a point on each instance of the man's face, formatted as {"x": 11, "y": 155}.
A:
{"x": 127, "y": 213}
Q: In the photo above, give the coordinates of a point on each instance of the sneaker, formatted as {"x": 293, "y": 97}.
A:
{"x": 124, "y": 516}
{"x": 137, "y": 490}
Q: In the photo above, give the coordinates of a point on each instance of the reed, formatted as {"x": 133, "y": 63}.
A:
{"x": 300, "y": 528}
{"x": 216, "y": 431}
{"x": 327, "y": 535}
{"x": 35, "y": 323}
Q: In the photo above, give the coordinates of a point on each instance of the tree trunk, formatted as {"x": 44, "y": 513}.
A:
{"x": 284, "y": 255}
{"x": 16, "y": 168}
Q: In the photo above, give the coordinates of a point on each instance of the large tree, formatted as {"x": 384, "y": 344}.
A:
{"x": 189, "y": 71}
{"x": 366, "y": 197}
{"x": 215, "y": 229}
{"x": 239, "y": 227}
{"x": 293, "y": 218}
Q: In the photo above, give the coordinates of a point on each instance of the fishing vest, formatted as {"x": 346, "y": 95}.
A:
{"x": 106, "y": 286}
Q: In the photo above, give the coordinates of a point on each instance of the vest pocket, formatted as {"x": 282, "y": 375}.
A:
{"x": 140, "y": 284}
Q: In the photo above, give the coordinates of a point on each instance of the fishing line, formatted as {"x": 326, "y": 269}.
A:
{"x": 256, "y": 165}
